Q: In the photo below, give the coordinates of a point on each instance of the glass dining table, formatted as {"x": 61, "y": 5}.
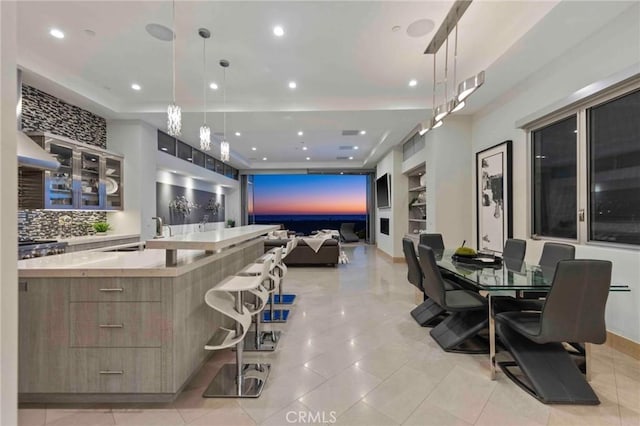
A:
{"x": 511, "y": 278}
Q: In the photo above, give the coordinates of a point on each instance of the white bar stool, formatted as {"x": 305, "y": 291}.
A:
{"x": 255, "y": 340}
{"x": 280, "y": 270}
{"x": 237, "y": 380}
{"x": 281, "y": 298}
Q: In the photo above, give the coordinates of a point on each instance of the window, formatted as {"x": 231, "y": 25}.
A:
{"x": 614, "y": 170}
{"x": 585, "y": 168}
{"x": 555, "y": 179}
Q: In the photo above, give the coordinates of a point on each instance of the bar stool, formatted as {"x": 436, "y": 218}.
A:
{"x": 280, "y": 270}
{"x": 256, "y": 339}
{"x": 237, "y": 380}
{"x": 289, "y": 298}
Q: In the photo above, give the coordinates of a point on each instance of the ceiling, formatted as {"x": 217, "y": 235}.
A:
{"x": 352, "y": 70}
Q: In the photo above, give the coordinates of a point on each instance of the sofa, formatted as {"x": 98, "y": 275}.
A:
{"x": 302, "y": 254}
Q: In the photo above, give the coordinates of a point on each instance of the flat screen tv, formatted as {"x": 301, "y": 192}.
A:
{"x": 383, "y": 191}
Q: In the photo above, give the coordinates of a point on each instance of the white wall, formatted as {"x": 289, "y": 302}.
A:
{"x": 613, "y": 48}
{"x": 137, "y": 141}
{"x": 8, "y": 218}
{"x": 397, "y": 214}
{"x": 447, "y": 156}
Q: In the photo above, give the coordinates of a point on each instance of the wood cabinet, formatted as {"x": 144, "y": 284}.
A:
{"x": 417, "y": 217}
{"x": 89, "y": 178}
{"x": 119, "y": 339}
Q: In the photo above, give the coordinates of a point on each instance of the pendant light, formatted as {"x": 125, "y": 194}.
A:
{"x": 432, "y": 123}
{"x": 443, "y": 109}
{"x": 205, "y": 131}
{"x": 174, "y": 113}
{"x": 224, "y": 145}
{"x": 455, "y": 105}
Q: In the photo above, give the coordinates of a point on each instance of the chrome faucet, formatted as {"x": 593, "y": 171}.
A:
{"x": 159, "y": 227}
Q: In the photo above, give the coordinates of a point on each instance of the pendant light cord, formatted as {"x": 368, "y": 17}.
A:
{"x": 224, "y": 101}
{"x": 204, "y": 78}
{"x": 446, "y": 71}
{"x": 433, "y": 92}
{"x": 173, "y": 47}
{"x": 455, "y": 61}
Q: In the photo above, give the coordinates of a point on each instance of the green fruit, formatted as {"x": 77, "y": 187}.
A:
{"x": 465, "y": 251}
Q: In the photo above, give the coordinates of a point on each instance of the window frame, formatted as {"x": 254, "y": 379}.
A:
{"x": 579, "y": 109}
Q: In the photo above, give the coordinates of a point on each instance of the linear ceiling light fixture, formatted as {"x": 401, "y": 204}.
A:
{"x": 174, "y": 113}
{"x": 466, "y": 87}
{"x": 205, "y": 131}
{"x": 224, "y": 145}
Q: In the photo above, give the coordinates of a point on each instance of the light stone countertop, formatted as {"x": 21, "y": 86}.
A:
{"x": 147, "y": 263}
{"x": 96, "y": 238}
{"x": 211, "y": 240}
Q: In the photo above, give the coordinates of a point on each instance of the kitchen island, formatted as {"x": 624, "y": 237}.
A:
{"x": 124, "y": 326}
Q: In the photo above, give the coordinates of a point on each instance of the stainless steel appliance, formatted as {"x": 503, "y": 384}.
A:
{"x": 28, "y": 248}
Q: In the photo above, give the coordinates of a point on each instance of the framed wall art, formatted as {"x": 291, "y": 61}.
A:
{"x": 494, "y": 221}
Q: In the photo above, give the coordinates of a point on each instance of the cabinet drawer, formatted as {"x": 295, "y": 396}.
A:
{"x": 122, "y": 370}
{"x": 115, "y": 324}
{"x": 115, "y": 290}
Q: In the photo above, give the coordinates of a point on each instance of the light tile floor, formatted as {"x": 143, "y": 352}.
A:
{"x": 352, "y": 355}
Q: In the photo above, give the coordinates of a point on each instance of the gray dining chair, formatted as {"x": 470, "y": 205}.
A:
{"x": 552, "y": 253}
{"x": 574, "y": 312}
{"x": 428, "y": 311}
{"x": 514, "y": 249}
{"x": 434, "y": 241}
{"x": 468, "y": 314}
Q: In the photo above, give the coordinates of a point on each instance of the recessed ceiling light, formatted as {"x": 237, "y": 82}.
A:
{"x": 355, "y": 147}
{"x": 238, "y": 134}
{"x": 413, "y": 83}
{"x": 264, "y": 158}
{"x": 136, "y": 86}
{"x": 253, "y": 148}
{"x": 350, "y": 158}
{"x": 308, "y": 158}
{"x": 213, "y": 86}
{"x": 292, "y": 85}
{"x": 278, "y": 31}
{"x": 420, "y": 28}
{"x": 159, "y": 32}
{"x": 395, "y": 28}
{"x": 56, "y": 33}
{"x": 304, "y": 148}
{"x": 300, "y": 133}
{"x": 363, "y": 132}
{"x": 89, "y": 33}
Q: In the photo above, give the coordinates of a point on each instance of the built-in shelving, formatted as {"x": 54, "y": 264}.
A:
{"x": 417, "y": 212}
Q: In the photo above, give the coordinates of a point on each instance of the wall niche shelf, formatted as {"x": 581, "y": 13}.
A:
{"x": 417, "y": 219}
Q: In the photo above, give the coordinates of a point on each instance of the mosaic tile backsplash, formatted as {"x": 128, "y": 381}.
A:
{"x": 46, "y": 224}
{"x": 43, "y": 112}
{"x": 46, "y": 113}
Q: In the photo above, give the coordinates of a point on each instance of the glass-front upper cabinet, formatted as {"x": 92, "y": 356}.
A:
{"x": 113, "y": 183}
{"x": 59, "y": 184}
{"x": 89, "y": 178}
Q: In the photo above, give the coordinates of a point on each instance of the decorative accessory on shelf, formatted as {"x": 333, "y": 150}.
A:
{"x": 224, "y": 145}
{"x": 422, "y": 197}
{"x": 423, "y": 180}
{"x": 205, "y": 131}
{"x": 174, "y": 112}
{"x": 182, "y": 205}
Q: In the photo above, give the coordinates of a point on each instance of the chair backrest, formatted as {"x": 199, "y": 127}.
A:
{"x": 575, "y": 306}
{"x": 514, "y": 250}
{"x": 414, "y": 274}
{"x": 432, "y": 282}
{"x": 347, "y": 226}
{"x": 552, "y": 253}
{"x": 434, "y": 241}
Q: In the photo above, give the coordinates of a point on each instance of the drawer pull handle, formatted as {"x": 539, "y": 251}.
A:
{"x": 111, "y": 372}
{"x": 111, "y": 326}
{"x": 111, "y": 289}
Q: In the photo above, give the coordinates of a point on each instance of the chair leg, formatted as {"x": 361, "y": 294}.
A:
{"x": 459, "y": 332}
{"x": 548, "y": 372}
{"x": 426, "y": 313}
